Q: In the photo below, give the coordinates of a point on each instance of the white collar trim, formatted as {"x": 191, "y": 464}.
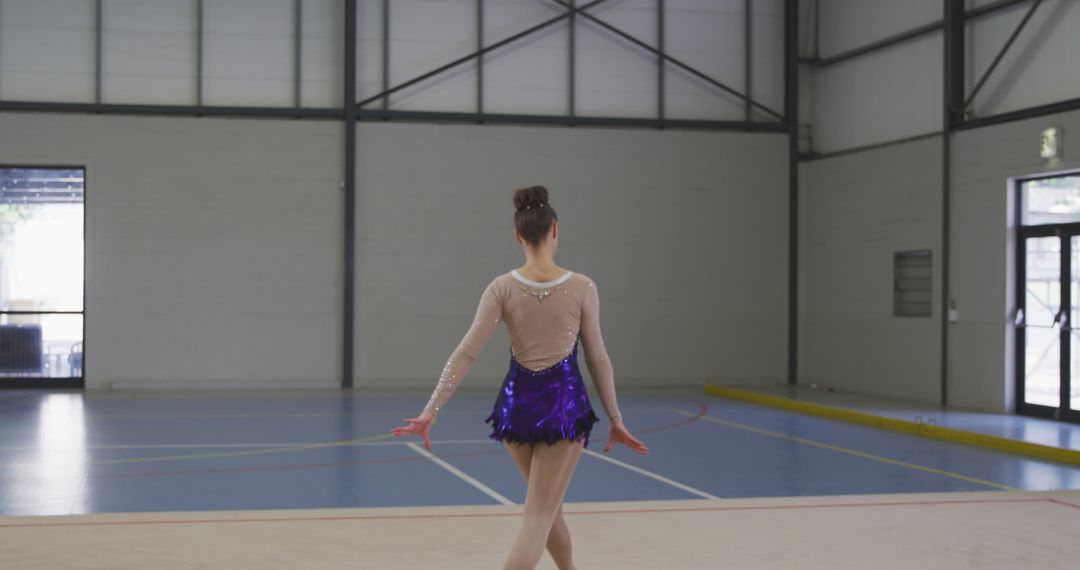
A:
{"x": 532, "y": 283}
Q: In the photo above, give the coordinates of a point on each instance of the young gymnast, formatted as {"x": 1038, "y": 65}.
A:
{"x": 542, "y": 412}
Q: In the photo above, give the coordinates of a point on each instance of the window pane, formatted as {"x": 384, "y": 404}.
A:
{"x": 49, "y": 346}
{"x": 1051, "y": 200}
{"x": 1043, "y": 286}
{"x": 41, "y": 239}
{"x": 1042, "y": 347}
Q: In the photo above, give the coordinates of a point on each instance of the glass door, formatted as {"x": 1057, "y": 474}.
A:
{"x": 1047, "y": 318}
{"x": 1048, "y": 324}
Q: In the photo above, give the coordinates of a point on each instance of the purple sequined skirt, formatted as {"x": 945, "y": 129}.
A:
{"x": 545, "y": 405}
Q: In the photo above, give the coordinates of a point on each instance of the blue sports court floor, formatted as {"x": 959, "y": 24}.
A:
{"x": 77, "y": 453}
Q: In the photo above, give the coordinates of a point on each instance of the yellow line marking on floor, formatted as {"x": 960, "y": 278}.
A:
{"x": 861, "y": 454}
{"x": 983, "y": 440}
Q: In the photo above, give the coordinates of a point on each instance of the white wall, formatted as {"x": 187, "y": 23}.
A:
{"x": 685, "y": 234}
{"x": 213, "y": 246}
{"x": 47, "y": 50}
{"x": 896, "y": 92}
{"x": 613, "y": 76}
{"x": 983, "y": 244}
{"x": 848, "y": 24}
{"x": 856, "y": 210}
{"x": 149, "y": 52}
{"x": 890, "y": 94}
{"x": 248, "y": 52}
{"x": 214, "y": 256}
{"x": 1040, "y": 67}
{"x": 149, "y": 55}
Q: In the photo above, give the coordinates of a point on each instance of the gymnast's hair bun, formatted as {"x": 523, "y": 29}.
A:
{"x": 533, "y": 214}
{"x": 531, "y": 197}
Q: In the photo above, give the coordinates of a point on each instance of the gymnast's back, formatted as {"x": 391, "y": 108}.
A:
{"x": 543, "y": 321}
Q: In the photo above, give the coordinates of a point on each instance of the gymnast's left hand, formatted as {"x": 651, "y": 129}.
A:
{"x": 419, "y": 425}
{"x": 619, "y": 434}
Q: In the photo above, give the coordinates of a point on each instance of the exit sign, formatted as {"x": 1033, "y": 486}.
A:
{"x": 1051, "y": 143}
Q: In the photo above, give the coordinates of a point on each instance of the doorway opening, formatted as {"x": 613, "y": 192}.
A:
{"x": 42, "y": 278}
{"x": 1047, "y": 318}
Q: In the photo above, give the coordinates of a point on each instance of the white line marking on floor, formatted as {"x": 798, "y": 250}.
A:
{"x": 436, "y": 442}
{"x": 646, "y": 473}
{"x": 464, "y": 476}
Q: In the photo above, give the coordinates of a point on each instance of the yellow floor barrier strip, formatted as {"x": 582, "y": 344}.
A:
{"x": 927, "y": 430}
{"x": 862, "y": 454}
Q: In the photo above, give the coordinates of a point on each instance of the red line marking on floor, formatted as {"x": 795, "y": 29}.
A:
{"x": 1063, "y": 503}
{"x": 514, "y": 514}
{"x": 702, "y": 410}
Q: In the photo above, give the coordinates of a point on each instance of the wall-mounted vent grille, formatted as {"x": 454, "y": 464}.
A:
{"x": 911, "y": 283}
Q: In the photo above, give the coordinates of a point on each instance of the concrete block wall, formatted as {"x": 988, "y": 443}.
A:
{"x": 213, "y": 254}
{"x": 858, "y": 208}
{"x": 856, "y": 211}
{"x": 895, "y": 92}
{"x": 685, "y": 234}
{"x": 985, "y": 162}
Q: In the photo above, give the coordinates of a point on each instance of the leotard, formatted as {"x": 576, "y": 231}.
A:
{"x": 544, "y": 321}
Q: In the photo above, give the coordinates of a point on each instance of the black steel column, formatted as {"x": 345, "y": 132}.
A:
{"x": 748, "y": 64}
{"x": 198, "y": 53}
{"x": 480, "y": 58}
{"x": 97, "y": 50}
{"x": 386, "y": 53}
{"x": 952, "y": 114}
{"x": 572, "y": 62}
{"x": 349, "y": 107}
{"x": 298, "y": 47}
{"x": 791, "y": 114}
{"x": 660, "y": 46}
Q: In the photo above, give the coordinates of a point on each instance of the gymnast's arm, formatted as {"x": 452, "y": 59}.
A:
{"x": 488, "y": 315}
{"x": 596, "y": 357}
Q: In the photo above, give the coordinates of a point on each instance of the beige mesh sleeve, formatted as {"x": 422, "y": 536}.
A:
{"x": 488, "y": 315}
{"x": 596, "y": 357}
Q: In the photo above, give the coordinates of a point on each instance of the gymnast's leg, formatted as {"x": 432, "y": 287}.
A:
{"x": 558, "y": 541}
{"x": 550, "y": 471}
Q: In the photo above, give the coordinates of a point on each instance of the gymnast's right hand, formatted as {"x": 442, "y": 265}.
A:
{"x": 418, "y": 425}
